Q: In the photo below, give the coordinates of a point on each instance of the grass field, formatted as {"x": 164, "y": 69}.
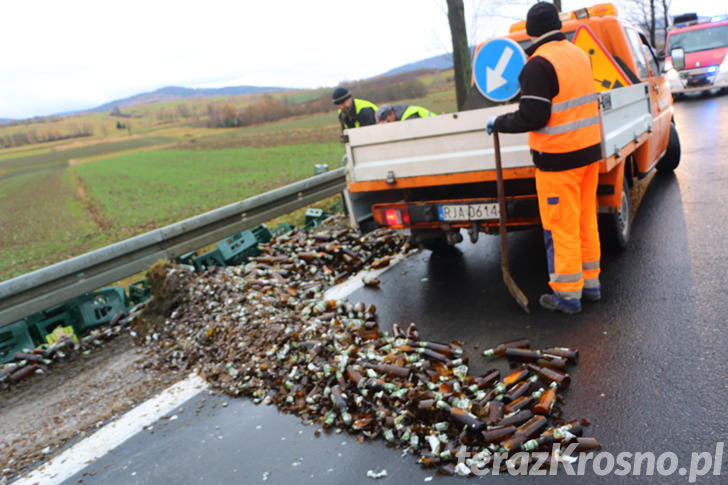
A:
{"x": 126, "y": 182}
{"x": 148, "y": 190}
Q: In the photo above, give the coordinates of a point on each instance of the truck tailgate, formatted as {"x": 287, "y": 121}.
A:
{"x": 457, "y": 142}
{"x": 449, "y": 143}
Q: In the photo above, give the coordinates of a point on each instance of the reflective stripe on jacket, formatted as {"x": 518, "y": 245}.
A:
{"x": 416, "y": 112}
{"x": 359, "y": 104}
{"x": 574, "y": 121}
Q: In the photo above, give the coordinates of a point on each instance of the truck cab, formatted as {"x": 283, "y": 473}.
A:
{"x": 697, "y": 54}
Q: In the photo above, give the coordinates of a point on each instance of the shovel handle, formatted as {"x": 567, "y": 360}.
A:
{"x": 513, "y": 288}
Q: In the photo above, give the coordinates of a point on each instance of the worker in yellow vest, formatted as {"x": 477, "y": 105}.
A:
{"x": 559, "y": 109}
{"x": 401, "y": 112}
{"x": 353, "y": 112}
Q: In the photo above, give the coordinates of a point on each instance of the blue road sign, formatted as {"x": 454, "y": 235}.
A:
{"x": 496, "y": 68}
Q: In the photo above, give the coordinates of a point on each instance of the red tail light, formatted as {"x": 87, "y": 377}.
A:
{"x": 396, "y": 217}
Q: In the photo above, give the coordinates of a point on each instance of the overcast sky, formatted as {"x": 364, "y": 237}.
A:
{"x": 76, "y": 54}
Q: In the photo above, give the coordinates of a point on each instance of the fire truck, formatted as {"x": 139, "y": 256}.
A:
{"x": 697, "y": 57}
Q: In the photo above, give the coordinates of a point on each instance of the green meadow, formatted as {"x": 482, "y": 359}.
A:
{"x": 63, "y": 198}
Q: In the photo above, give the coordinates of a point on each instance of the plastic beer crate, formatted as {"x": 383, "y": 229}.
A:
{"x": 99, "y": 307}
{"x": 237, "y": 248}
{"x": 14, "y": 338}
{"x": 139, "y": 291}
{"x": 208, "y": 259}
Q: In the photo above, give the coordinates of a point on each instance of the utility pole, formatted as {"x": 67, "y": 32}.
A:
{"x": 557, "y": 4}
{"x": 460, "y": 50}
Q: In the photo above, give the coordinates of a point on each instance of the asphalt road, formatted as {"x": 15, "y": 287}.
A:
{"x": 652, "y": 375}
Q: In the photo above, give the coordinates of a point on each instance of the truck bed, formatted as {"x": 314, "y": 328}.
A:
{"x": 414, "y": 153}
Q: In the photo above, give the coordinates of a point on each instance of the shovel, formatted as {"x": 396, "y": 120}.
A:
{"x": 516, "y": 292}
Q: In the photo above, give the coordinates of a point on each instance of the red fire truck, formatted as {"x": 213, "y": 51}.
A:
{"x": 696, "y": 54}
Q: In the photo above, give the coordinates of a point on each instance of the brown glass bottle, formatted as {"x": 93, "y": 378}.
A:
{"x": 565, "y": 352}
{"x": 440, "y": 348}
{"x": 518, "y": 390}
{"x": 513, "y": 443}
{"x": 495, "y": 435}
{"x": 395, "y": 370}
{"x": 518, "y": 404}
{"x": 552, "y": 361}
{"x": 587, "y": 444}
{"x": 532, "y": 426}
{"x": 551, "y": 375}
{"x": 546, "y": 402}
{"x": 515, "y": 419}
{"x": 487, "y": 379}
{"x": 536, "y": 443}
{"x": 515, "y": 376}
{"x": 464, "y": 418}
{"x": 523, "y": 355}
{"x": 501, "y": 348}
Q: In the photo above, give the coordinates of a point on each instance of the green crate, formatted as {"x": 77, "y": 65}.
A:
{"x": 140, "y": 291}
{"x": 208, "y": 259}
{"x": 262, "y": 234}
{"x": 44, "y": 328}
{"x": 14, "y": 338}
{"x": 187, "y": 258}
{"x": 99, "y": 307}
{"x": 314, "y": 217}
{"x": 237, "y": 248}
{"x": 282, "y": 229}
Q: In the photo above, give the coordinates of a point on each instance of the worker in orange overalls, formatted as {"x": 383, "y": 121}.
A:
{"x": 559, "y": 109}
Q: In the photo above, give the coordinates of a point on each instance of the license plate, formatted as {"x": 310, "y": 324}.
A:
{"x": 468, "y": 212}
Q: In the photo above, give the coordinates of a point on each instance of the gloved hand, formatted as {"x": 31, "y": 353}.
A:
{"x": 490, "y": 126}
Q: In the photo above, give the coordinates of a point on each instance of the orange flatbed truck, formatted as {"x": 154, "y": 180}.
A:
{"x": 436, "y": 176}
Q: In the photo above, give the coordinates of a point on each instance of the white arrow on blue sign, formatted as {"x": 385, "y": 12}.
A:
{"x": 496, "y": 68}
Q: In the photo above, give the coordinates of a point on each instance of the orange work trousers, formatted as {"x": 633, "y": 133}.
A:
{"x": 567, "y": 201}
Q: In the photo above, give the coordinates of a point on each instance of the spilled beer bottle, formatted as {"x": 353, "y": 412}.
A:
{"x": 551, "y": 375}
{"x": 565, "y": 352}
{"x": 501, "y": 348}
{"x": 546, "y": 402}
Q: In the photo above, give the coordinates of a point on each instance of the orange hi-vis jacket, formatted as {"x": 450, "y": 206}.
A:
{"x": 574, "y": 122}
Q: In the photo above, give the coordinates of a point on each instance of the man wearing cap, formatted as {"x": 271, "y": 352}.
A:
{"x": 559, "y": 109}
{"x": 401, "y": 112}
{"x": 353, "y": 112}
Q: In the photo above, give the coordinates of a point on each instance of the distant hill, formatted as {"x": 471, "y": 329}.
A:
{"x": 176, "y": 93}
{"x": 443, "y": 61}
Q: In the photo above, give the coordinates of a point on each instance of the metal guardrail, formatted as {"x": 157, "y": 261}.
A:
{"x": 49, "y": 286}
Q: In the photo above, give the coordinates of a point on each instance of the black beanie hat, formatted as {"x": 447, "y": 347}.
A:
{"x": 541, "y": 18}
{"x": 340, "y": 94}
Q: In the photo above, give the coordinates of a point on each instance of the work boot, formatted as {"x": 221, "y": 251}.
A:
{"x": 591, "y": 294}
{"x": 557, "y": 304}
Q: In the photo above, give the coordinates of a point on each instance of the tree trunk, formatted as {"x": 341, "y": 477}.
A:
{"x": 460, "y": 50}
{"x": 665, "y": 8}
{"x": 652, "y": 22}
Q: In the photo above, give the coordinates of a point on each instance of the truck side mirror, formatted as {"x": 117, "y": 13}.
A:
{"x": 678, "y": 58}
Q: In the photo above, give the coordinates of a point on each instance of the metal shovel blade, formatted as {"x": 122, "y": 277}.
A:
{"x": 513, "y": 288}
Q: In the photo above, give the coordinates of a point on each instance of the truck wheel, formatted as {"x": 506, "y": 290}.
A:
{"x": 615, "y": 229}
{"x": 671, "y": 159}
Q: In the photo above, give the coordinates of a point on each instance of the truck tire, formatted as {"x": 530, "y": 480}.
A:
{"x": 671, "y": 159}
{"x": 616, "y": 229}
